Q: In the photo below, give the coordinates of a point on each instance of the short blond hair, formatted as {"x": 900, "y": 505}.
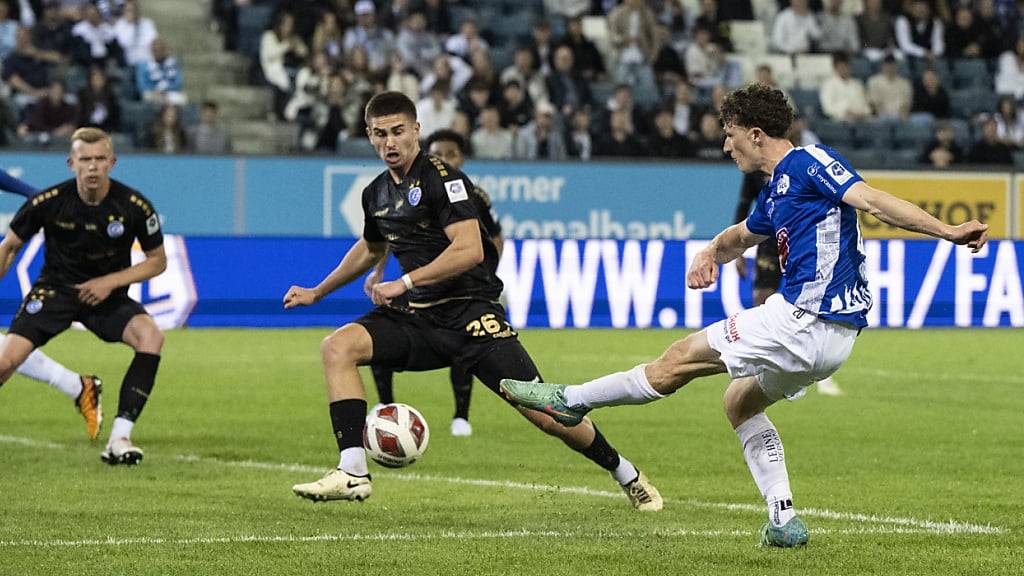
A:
{"x": 91, "y": 135}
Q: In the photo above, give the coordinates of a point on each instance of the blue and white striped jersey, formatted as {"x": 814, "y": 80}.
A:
{"x": 819, "y": 240}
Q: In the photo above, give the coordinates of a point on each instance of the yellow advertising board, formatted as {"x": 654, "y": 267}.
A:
{"x": 953, "y": 197}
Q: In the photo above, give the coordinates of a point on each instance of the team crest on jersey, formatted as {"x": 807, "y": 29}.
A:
{"x": 115, "y": 229}
{"x": 838, "y": 173}
{"x": 414, "y": 196}
{"x": 783, "y": 186}
{"x": 34, "y": 306}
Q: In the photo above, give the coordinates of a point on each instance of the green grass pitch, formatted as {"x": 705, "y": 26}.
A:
{"x": 918, "y": 469}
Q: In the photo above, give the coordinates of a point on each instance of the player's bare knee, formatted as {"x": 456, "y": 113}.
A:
{"x": 339, "y": 348}
{"x": 675, "y": 366}
{"x": 151, "y": 340}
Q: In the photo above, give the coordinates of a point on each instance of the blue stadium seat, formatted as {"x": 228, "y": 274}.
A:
{"x": 137, "y": 119}
{"x": 902, "y": 159}
{"x": 912, "y": 135}
{"x": 600, "y": 92}
{"x": 832, "y": 133}
{"x": 962, "y": 132}
{"x": 807, "y": 102}
{"x": 862, "y": 68}
{"x": 970, "y": 101}
{"x": 356, "y": 148}
{"x": 459, "y": 14}
{"x": 873, "y": 135}
{"x": 971, "y": 73}
{"x": 515, "y": 27}
{"x": 252, "y": 21}
{"x": 1018, "y": 160}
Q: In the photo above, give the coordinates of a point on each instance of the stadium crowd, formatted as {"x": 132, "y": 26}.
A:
{"x": 893, "y": 83}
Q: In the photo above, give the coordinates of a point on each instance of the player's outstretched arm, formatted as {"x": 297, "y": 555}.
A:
{"x": 9, "y": 183}
{"x": 8, "y": 250}
{"x": 726, "y": 247}
{"x": 464, "y": 251}
{"x": 360, "y": 257}
{"x": 94, "y": 291}
{"x": 898, "y": 212}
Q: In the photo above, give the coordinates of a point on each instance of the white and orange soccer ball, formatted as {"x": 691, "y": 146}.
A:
{"x": 396, "y": 435}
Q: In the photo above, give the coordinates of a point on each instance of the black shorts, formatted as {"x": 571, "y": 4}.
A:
{"x": 49, "y": 310}
{"x": 767, "y": 272}
{"x": 471, "y": 334}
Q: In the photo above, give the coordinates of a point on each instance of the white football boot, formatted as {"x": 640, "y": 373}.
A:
{"x": 336, "y": 485}
{"x": 121, "y": 451}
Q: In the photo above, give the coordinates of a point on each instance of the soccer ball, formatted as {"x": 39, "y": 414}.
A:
{"x": 395, "y": 435}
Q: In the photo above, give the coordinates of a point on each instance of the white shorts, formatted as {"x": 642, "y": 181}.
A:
{"x": 784, "y": 347}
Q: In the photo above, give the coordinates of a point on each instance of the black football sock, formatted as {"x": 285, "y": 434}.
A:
{"x": 348, "y": 418}
{"x": 462, "y": 387}
{"x": 137, "y": 385}
{"x": 601, "y": 452}
{"x": 384, "y": 379}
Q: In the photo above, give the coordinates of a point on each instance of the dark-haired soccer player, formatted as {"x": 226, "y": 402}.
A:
{"x": 799, "y": 335}
{"x": 86, "y": 391}
{"x": 451, "y": 148}
{"x": 90, "y": 222}
{"x": 420, "y": 210}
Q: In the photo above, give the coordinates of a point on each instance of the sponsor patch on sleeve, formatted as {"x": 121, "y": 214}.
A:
{"x": 456, "y": 190}
{"x": 152, "y": 224}
{"x": 838, "y": 173}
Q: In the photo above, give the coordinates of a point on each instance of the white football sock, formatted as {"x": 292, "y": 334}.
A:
{"x": 353, "y": 461}
{"x": 630, "y": 387}
{"x": 762, "y": 449}
{"x": 122, "y": 428}
{"x": 625, "y": 472}
{"x": 39, "y": 366}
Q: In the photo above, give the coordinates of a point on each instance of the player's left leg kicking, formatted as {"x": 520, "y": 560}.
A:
{"x": 758, "y": 349}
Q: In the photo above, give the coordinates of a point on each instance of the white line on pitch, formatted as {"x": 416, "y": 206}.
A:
{"x": 444, "y": 535}
{"x": 950, "y": 527}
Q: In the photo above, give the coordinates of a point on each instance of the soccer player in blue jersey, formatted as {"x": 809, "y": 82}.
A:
{"x": 802, "y": 333}
{"x": 86, "y": 391}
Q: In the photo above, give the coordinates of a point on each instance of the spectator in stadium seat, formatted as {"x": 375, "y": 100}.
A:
{"x": 53, "y": 31}
{"x": 310, "y": 87}
{"x": 1009, "y": 124}
{"x": 620, "y": 141}
{"x": 964, "y": 38}
{"x": 705, "y": 62}
{"x": 378, "y": 42}
{"x": 568, "y": 9}
{"x": 462, "y": 127}
{"x": 542, "y": 47}
{"x": 665, "y": 142}
{"x": 168, "y": 135}
{"x": 437, "y": 110}
{"x": 709, "y": 18}
{"x": 466, "y": 42}
{"x": 580, "y": 140}
{"x": 1010, "y": 71}
{"x": 417, "y": 46}
{"x": 451, "y": 70}
{"x": 50, "y": 117}
{"x": 93, "y": 41}
{"x": 483, "y": 71}
{"x": 515, "y": 107}
{"x": 838, "y": 30}
{"x": 875, "y": 27}
{"x": 710, "y": 137}
{"x": 332, "y": 123}
{"x": 135, "y": 34}
{"x": 402, "y": 78}
{"x": 842, "y": 96}
{"x": 281, "y": 53}
{"x": 541, "y": 139}
{"x": 589, "y": 62}
{"x": 931, "y": 100}
{"x": 208, "y": 136}
{"x": 8, "y": 30}
{"x": 159, "y": 78}
{"x": 989, "y": 149}
{"x": 567, "y": 88}
{"x": 795, "y": 30}
{"x": 622, "y": 99}
{"x": 438, "y": 17}
{"x": 667, "y": 65}
{"x": 473, "y": 100}
{"x": 523, "y": 70}
{"x": 27, "y": 70}
{"x": 684, "y": 113}
{"x": 919, "y": 34}
{"x": 98, "y": 106}
{"x": 490, "y": 140}
{"x": 942, "y": 151}
{"x": 998, "y": 33}
{"x": 327, "y": 38}
{"x": 395, "y": 12}
{"x": 889, "y": 93}
{"x": 632, "y": 30}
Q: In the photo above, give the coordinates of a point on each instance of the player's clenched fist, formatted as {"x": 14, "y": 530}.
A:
{"x": 703, "y": 271}
{"x": 299, "y": 296}
{"x": 384, "y": 292}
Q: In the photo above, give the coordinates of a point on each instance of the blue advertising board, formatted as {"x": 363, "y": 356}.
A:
{"x": 549, "y": 283}
{"x": 320, "y": 197}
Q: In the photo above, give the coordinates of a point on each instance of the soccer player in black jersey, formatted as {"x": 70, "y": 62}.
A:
{"x": 451, "y": 148}
{"x": 91, "y": 222}
{"x": 85, "y": 390}
{"x": 419, "y": 209}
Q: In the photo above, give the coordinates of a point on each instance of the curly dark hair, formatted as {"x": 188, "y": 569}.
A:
{"x": 389, "y": 103}
{"x": 447, "y": 135}
{"x": 758, "y": 106}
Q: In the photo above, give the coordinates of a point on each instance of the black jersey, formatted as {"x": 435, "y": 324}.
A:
{"x": 85, "y": 242}
{"x": 411, "y": 218}
{"x": 483, "y": 208}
